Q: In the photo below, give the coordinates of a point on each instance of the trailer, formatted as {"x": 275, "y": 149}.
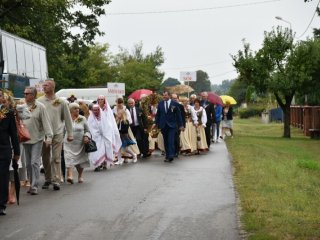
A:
{"x": 22, "y": 63}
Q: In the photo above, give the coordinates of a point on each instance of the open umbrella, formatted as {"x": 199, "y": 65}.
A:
{"x": 136, "y": 95}
{"x": 226, "y": 98}
{"x": 16, "y": 179}
{"x": 179, "y": 89}
{"x": 215, "y": 99}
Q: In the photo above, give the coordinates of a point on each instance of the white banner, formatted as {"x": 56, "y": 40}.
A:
{"x": 116, "y": 88}
{"x": 188, "y": 76}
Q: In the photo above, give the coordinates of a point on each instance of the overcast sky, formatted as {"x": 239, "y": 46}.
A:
{"x": 201, "y": 34}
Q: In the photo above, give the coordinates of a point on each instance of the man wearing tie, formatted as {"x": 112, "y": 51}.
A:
{"x": 211, "y": 116}
{"x": 168, "y": 119}
{"x": 139, "y": 127}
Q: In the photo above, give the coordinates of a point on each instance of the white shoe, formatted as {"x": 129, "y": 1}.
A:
{"x": 120, "y": 161}
{"x": 134, "y": 158}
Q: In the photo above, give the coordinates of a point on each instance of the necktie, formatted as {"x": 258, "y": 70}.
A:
{"x": 132, "y": 116}
{"x": 166, "y": 106}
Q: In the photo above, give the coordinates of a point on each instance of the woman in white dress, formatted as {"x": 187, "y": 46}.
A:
{"x": 74, "y": 151}
{"x": 199, "y": 125}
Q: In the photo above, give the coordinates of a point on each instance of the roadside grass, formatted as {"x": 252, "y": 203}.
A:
{"x": 278, "y": 181}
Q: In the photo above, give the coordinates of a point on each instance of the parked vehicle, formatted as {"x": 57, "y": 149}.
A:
{"x": 22, "y": 63}
{"x": 90, "y": 94}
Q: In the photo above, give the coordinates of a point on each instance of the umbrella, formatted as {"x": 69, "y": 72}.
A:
{"x": 16, "y": 179}
{"x": 136, "y": 95}
{"x": 226, "y": 98}
{"x": 215, "y": 99}
{"x": 179, "y": 89}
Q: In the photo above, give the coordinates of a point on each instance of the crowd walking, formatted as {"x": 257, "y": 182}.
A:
{"x": 60, "y": 130}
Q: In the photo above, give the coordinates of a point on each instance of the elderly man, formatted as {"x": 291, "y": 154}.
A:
{"x": 60, "y": 119}
{"x": 9, "y": 148}
{"x": 211, "y": 116}
{"x": 139, "y": 127}
{"x": 40, "y": 130}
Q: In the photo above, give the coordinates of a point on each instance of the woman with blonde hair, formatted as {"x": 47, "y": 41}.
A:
{"x": 123, "y": 126}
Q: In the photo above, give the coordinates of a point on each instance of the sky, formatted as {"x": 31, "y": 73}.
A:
{"x": 201, "y": 34}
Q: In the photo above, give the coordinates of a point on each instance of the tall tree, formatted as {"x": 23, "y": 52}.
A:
{"x": 51, "y": 23}
{"x": 138, "y": 70}
{"x": 279, "y": 67}
{"x": 202, "y": 83}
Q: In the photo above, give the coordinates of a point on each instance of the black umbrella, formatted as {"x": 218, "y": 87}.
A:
{"x": 16, "y": 178}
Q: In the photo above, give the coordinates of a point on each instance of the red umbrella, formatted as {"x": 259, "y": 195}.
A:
{"x": 136, "y": 95}
{"x": 215, "y": 99}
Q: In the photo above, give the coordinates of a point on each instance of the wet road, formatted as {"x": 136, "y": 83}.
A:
{"x": 191, "y": 198}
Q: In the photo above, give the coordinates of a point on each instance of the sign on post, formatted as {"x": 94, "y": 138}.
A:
{"x": 116, "y": 88}
{"x": 188, "y": 76}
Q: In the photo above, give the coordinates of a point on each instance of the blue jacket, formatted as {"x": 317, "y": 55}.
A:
{"x": 171, "y": 118}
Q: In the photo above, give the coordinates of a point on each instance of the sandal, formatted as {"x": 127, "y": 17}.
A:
{"x": 70, "y": 180}
{"x": 80, "y": 180}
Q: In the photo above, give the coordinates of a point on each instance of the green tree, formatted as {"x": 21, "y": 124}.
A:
{"x": 238, "y": 90}
{"x": 52, "y": 23}
{"x": 279, "y": 67}
{"x": 202, "y": 83}
{"x": 138, "y": 70}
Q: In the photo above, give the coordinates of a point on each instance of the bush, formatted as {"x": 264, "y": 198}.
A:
{"x": 250, "y": 112}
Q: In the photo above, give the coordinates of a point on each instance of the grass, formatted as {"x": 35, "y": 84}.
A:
{"x": 278, "y": 181}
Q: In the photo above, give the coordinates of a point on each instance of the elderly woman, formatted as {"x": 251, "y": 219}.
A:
{"x": 101, "y": 124}
{"x": 74, "y": 152}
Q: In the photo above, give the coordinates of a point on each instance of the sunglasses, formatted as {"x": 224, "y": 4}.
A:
{"x": 27, "y": 93}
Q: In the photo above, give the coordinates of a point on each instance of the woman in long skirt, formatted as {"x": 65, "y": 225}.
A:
{"x": 199, "y": 126}
{"x": 187, "y": 145}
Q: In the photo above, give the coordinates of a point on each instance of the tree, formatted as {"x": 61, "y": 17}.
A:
{"x": 238, "y": 90}
{"x": 50, "y": 23}
{"x": 202, "y": 83}
{"x": 279, "y": 67}
{"x": 169, "y": 82}
{"x": 137, "y": 70}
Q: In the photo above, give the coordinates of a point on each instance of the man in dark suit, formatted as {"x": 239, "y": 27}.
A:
{"x": 168, "y": 119}
{"x": 8, "y": 140}
{"x": 139, "y": 127}
{"x": 211, "y": 115}
{"x": 175, "y": 97}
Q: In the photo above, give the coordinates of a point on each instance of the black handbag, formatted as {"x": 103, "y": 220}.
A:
{"x": 91, "y": 146}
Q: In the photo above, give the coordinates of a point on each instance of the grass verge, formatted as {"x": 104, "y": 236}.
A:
{"x": 278, "y": 181}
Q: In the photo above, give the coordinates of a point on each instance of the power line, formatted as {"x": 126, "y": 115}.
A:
{"x": 314, "y": 14}
{"x": 194, "y": 9}
{"x": 200, "y": 65}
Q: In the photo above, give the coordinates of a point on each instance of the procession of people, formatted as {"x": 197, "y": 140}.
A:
{"x": 60, "y": 129}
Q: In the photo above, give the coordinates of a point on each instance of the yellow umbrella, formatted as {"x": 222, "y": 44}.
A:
{"x": 226, "y": 98}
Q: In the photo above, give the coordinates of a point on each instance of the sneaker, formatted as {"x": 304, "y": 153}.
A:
{"x": 134, "y": 158}
{"x": 46, "y": 185}
{"x": 56, "y": 186}
{"x": 34, "y": 191}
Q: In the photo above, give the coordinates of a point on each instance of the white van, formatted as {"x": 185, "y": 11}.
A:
{"x": 88, "y": 94}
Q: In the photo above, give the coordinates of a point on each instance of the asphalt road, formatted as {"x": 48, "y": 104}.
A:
{"x": 191, "y": 198}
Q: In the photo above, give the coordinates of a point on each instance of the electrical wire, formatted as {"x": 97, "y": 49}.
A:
{"x": 192, "y": 10}
{"x": 314, "y": 14}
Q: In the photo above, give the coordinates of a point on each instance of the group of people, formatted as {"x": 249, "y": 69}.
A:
{"x": 59, "y": 131}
